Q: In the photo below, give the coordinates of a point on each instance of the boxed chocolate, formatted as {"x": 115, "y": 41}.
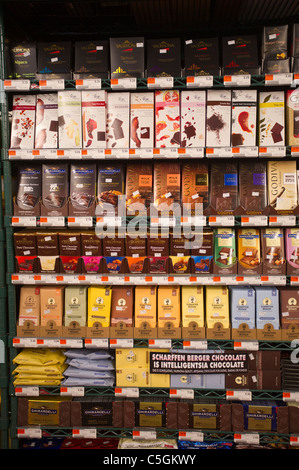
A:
{"x": 295, "y": 41}
{"x": 292, "y": 250}
{"x": 122, "y": 306}
{"x": 82, "y": 189}
{"x": 54, "y": 58}
{"x": 158, "y": 244}
{"x": 94, "y": 115}
{"x": 48, "y": 251}
{"x": 46, "y": 125}
{"x": 271, "y": 118}
{"x": 243, "y": 381}
{"x": 252, "y": 187}
{"x": 225, "y": 253}
{"x": 25, "y": 243}
{"x": 27, "y": 199}
{"x": 193, "y": 118}
{"x": 240, "y": 55}
{"x": 91, "y": 243}
{"x": 127, "y": 57}
{"x": 195, "y": 187}
{"x": 242, "y": 306}
{"x": 69, "y": 119}
{"x": 91, "y": 57}
{"x": 224, "y": 188}
{"x": 142, "y": 120}
{"x": 167, "y": 187}
{"x": 52, "y": 305}
{"x": 192, "y": 306}
{"x": 202, "y": 250}
{"x": 110, "y": 187}
{"x": 29, "y": 308}
{"x": 163, "y": 57}
{"x": 23, "y": 122}
{"x": 136, "y": 244}
{"x": 275, "y": 42}
{"x": 151, "y": 414}
{"x": 292, "y": 116}
{"x": 118, "y": 120}
{"x": 267, "y": 307}
{"x": 99, "y": 305}
{"x": 244, "y": 117}
{"x": 277, "y": 66}
{"x": 92, "y": 411}
{"x": 289, "y": 307}
{"x": 201, "y": 57}
{"x": 218, "y": 118}
{"x": 145, "y": 306}
{"x": 55, "y": 189}
{"x": 282, "y": 186}
{"x": 273, "y": 255}
{"x": 113, "y": 245}
{"x": 169, "y": 310}
{"x": 70, "y": 251}
{"x": 265, "y": 360}
{"x": 249, "y": 251}
{"x": 168, "y": 118}
{"x": 217, "y": 306}
{"x": 204, "y": 415}
{"x": 75, "y": 305}
{"x": 23, "y": 61}
{"x": 260, "y": 417}
{"x": 45, "y": 411}
{"x": 139, "y": 188}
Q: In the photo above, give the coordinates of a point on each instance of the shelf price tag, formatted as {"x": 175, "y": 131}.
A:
{"x": 247, "y": 438}
{"x": 23, "y": 221}
{"x": 97, "y": 343}
{"x": 284, "y": 220}
{"x": 80, "y": 221}
{"x": 294, "y": 280}
{"x": 181, "y": 393}
{"x": 71, "y": 342}
{"x": 225, "y": 152}
{"x": 30, "y": 432}
{"x": 254, "y": 220}
{"x": 200, "y": 81}
{"x": 245, "y": 151}
{"x": 163, "y": 221}
{"x": 52, "y": 221}
{"x": 84, "y": 433}
{"x": 144, "y": 434}
{"x": 195, "y": 344}
{"x": 272, "y": 151}
{"x": 159, "y": 343}
{"x": 199, "y": 220}
{"x": 194, "y": 436}
{"x": 126, "y": 83}
{"x": 279, "y": 79}
{"x": 160, "y": 82}
{"x": 239, "y": 395}
{"x": 294, "y": 440}
{"x": 52, "y": 84}
{"x": 89, "y": 84}
{"x": 27, "y": 391}
{"x": 24, "y": 342}
{"x": 72, "y": 391}
{"x": 220, "y": 220}
{"x": 21, "y": 85}
{"x": 114, "y": 221}
{"x": 246, "y": 345}
{"x": 127, "y": 392}
{"x": 290, "y": 396}
{"x": 121, "y": 343}
{"x": 237, "y": 80}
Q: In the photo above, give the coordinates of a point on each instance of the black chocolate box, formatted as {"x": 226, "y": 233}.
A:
{"x": 240, "y": 53}
{"x": 23, "y": 61}
{"x": 127, "y": 57}
{"x": 54, "y": 58}
{"x": 275, "y": 42}
{"x": 163, "y": 57}
{"x": 91, "y": 57}
{"x": 201, "y": 57}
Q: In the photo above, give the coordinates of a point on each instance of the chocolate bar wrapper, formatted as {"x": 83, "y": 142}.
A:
{"x": 94, "y": 110}
{"x": 277, "y": 66}
{"x": 46, "y": 126}
{"x": 91, "y": 57}
{"x": 23, "y": 122}
{"x": 55, "y": 189}
{"x": 195, "y": 187}
{"x": 69, "y": 119}
{"x": 142, "y": 120}
{"x": 275, "y": 42}
{"x": 167, "y": 111}
{"x": 110, "y": 187}
{"x": 201, "y": 57}
{"x": 23, "y": 60}
{"x": 249, "y": 255}
{"x": 224, "y": 188}
{"x": 292, "y": 116}
{"x": 29, "y": 189}
{"x": 244, "y": 114}
{"x": 54, "y": 58}
{"x": 271, "y": 118}
{"x": 118, "y": 120}
{"x": 218, "y": 129}
{"x": 139, "y": 188}
{"x": 292, "y": 250}
{"x": 282, "y": 186}
{"x": 82, "y": 189}
{"x": 225, "y": 256}
{"x": 167, "y": 186}
{"x": 252, "y": 187}
{"x": 127, "y": 57}
{"x": 193, "y": 118}
{"x": 239, "y": 52}
{"x": 273, "y": 256}
{"x": 163, "y": 57}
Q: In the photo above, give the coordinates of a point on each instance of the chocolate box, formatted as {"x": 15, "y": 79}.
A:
{"x": 224, "y": 188}
{"x": 289, "y": 307}
{"x": 202, "y": 250}
{"x": 167, "y": 187}
{"x": 192, "y": 306}
{"x": 25, "y": 243}
{"x": 195, "y": 187}
{"x": 275, "y": 42}
{"x": 82, "y": 189}
{"x": 225, "y": 253}
{"x": 52, "y": 305}
{"x": 163, "y": 57}
{"x": 23, "y": 122}
{"x": 91, "y": 243}
{"x": 48, "y": 251}
{"x": 92, "y": 411}
{"x": 217, "y": 306}
{"x": 139, "y": 188}
{"x": 240, "y": 54}
{"x": 151, "y": 414}
{"x": 292, "y": 250}
{"x": 242, "y": 306}
{"x": 55, "y": 189}
{"x": 118, "y": 120}
{"x": 127, "y": 57}
{"x": 282, "y": 186}
{"x": 218, "y": 118}
{"x": 99, "y": 306}
{"x": 267, "y": 307}
{"x": 193, "y": 118}
{"x": 113, "y": 245}
{"x": 69, "y": 119}
{"x": 29, "y": 307}
{"x": 201, "y": 57}
{"x": 23, "y": 59}
{"x": 142, "y": 120}
{"x": 252, "y": 187}
{"x": 295, "y": 41}
{"x": 136, "y": 244}
{"x": 292, "y": 116}
{"x": 145, "y": 306}
{"x": 271, "y": 130}
{"x": 169, "y": 311}
{"x": 27, "y": 199}
{"x": 204, "y": 415}
{"x": 110, "y": 187}
{"x": 249, "y": 251}
{"x": 122, "y": 306}
{"x": 277, "y": 66}
{"x": 46, "y": 125}
{"x": 54, "y": 58}
{"x": 244, "y": 118}
{"x": 94, "y": 115}
{"x": 75, "y": 305}
{"x": 273, "y": 255}
{"x": 168, "y": 118}
{"x": 91, "y": 57}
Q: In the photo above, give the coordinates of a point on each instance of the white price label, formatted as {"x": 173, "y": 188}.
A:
{"x": 110, "y": 221}
{"x": 127, "y": 83}
{"x": 52, "y": 84}
{"x": 220, "y": 220}
{"x": 97, "y": 343}
{"x": 239, "y": 395}
{"x": 80, "y": 221}
{"x": 52, "y": 221}
{"x": 23, "y": 221}
{"x": 72, "y": 391}
{"x": 24, "y": 342}
{"x": 159, "y": 343}
{"x": 200, "y": 81}
{"x": 181, "y": 393}
{"x": 21, "y": 85}
{"x": 275, "y": 151}
{"x": 163, "y": 221}
{"x": 160, "y": 82}
{"x": 121, "y": 343}
{"x": 247, "y": 438}
{"x": 195, "y": 344}
{"x": 84, "y": 433}
{"x": 71, "y": 342}
{"x": 194, "y": 436}
{"x": 237, "y": 80}
{"x": 246, "y": 345}
{"x": 199, "y": 221}
{"x": 144, "y": 434}
{"x": 127, "y": 392}
{"x": 30, "y": 433}
{"x": 27, "y": 391}
{"x": 254, "y": 220}
{"x": 290, "y": 396}
{"x": 89, "y": 84}
{"x": 294, "y": 440}
{"x": 282, "y": 220}
{"x": 279, "y": 79}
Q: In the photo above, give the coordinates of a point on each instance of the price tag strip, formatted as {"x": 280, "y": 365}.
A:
{"x": 272, "y": 151}
{"x": 89, "y": 84}
{"x": 80, "y": 221}
{"x": 194, "y": 436}
{"x": 72, "y": 391}
{"x": 27, "y": 391}
{"x": 282, "y": 220}
{"x": 200, "y": 81}
{"x": 245, "y": 151}
{"x": 246, "y": 345}
{"x": 254, "y": 220}
{"x": 17, "y": 85}
{"x": 225, "y": 152}
{"x": 23, "y": 221}
{"x": 279, "y": 79}
{"x": 144, "y": 434}
{"x": 222, "y": 220}
{"x": 195, "y": 344}
{"x": 181, "y": 393}
{"x": 30, "y": 433}
{"x": 160, "y": 82}
{"x": 239, "y": 395}
{"x": 53, "y": 84}
{"x": 160, "y": 343}
{"x": 121, "y": 343}
{"x": 84, "y": 433}
{"x": 127, "y": 83}
{"x": 290, "y": 396}
{"x": 97, "y": 343}
{"x": 127, "y": 392}
{"x": 52, "y": 221}
{"x": 294, "y": 440}
{"x": 247, "y": 438}
{"x": 237, "y": 80}
{"x": 24, "y": 342}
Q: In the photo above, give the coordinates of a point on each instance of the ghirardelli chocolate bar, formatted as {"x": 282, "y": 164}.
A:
{"x": 218, "y": 119}
{"x": 94, "y": 116}
{"x": 224, "y": 188}
{"x": 167, "y": 186}
{"x": 244, "y": 116}
{"x": 168, "y": 117}
{"x": 275, "y": 42}
{"x": 239, "y": 53}
{"x": 55, "y": 189}
{"x": 54, "y": 57}
{"x": 29, "y": 190}
{"x": 271, "y": 118}
{"x": 249, "y": 251}
{"x": 122, "y": 305}
{"x": 92, "y": 57}
{"x": 23, "y": 60}
{"x": 139, "y": 188}
{"x": 163, "y": 57}
{"x": 82, "y": 189}
{"x": 273, "y": 256}
{"x": 110, "y": 187}
{"x": 127, "y": 57}
{"x": 282, "y": 186}
{"x": 252, "y": 187}
{"x": 142, "y": 118}
{"x": 195, "y": 187}
{"x": 23, "y": 122}
{"x": 46, "y": 125}
{"x": 193, "y": 118}
{"x": 201, "y": 57}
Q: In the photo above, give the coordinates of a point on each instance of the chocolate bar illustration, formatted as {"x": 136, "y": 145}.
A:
{"x": 54, "y": 200}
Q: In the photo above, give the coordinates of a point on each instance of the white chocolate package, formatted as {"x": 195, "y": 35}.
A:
{"x": 69, "y": 119}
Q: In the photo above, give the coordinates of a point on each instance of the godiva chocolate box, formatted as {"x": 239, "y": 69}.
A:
{"x": 23, "y": 59}
{"x": 127, "y": 57}
{"x": 167, "y": 187}
{"x": 282, "y": 186}
{"x": 27, "y": 199}
{"x": 195, "y": 187}
{"x": 91, "y": 57}
{"x": 163, "y": 57}
{"x": 201, "y": 57}
{"x": 202, "y": 251}
{"x": 252, "y": 188}
{"x": 224, "y": 188}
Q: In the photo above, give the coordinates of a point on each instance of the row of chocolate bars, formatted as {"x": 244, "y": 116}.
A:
{"x": 163, "y": 187}
{"x": 139, "y": 57}
{"x": 74, "y": 119}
